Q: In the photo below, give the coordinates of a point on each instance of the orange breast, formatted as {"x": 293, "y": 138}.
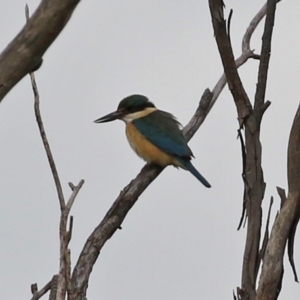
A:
{"x": 145, "y": 149}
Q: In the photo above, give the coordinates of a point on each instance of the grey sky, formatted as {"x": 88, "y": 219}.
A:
{"x": 180, "y": 240}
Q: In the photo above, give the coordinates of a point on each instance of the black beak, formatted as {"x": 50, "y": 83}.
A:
{"x": 110, "y": 117}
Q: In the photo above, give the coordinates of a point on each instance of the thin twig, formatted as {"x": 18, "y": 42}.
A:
{"x": 65, "y": 236}
{"x": 43, "y": 133}
{"x": 46, "y": 143}
{"x": 248, "y": 34}
{"x": 61, "y": 280}
{"x": 71, "y": 200}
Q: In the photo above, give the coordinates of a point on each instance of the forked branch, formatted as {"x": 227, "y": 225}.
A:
{"x": 249, "y": 119}
{"x": 115, "y": 216}
{"x": 63, "y": 282}
{"x": 285, "y": 222}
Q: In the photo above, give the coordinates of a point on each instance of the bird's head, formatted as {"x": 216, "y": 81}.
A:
{"x": 130, "y": 108}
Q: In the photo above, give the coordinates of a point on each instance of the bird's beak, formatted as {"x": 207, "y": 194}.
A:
{"x": 110, "y": 117}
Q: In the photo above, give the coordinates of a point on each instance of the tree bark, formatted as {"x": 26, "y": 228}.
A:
{"x": 24, "y": 54}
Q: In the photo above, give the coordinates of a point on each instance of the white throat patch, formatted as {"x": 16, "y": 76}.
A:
{"x": 139, "y": 114}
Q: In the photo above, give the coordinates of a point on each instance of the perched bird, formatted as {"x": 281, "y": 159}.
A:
{"x": 153, "y": 134}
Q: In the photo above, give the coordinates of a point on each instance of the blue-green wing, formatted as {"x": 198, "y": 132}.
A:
{"x": 162, "y": 130}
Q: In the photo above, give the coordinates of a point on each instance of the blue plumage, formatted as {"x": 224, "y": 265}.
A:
{"x": 154, "y": 135}
{"x": 188, "y": 165}
{"x": 163, "y": 131}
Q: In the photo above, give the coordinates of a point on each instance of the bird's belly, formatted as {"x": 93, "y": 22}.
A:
{"x": 146, "y": 149}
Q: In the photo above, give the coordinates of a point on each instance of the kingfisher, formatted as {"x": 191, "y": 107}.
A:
{"x": 154, "y": 135}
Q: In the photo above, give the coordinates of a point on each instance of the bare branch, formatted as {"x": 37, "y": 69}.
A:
{"x": 194, "y": 124}
{"x": 64, "y": 281}
{"x": 247, "y": 36}
{"x": 244, "y": 110}
{"x": 24, "y": 54}
{"x": 34, "y": 288}
{"x": 246, "y": 52}
{"x": 127, "y": 198}
{"x": 249, "y": 119}
{"x": 45, "y": 142}
{"x": 242, "y": 59}
{"x": 61, "y": 284}
{"x": 285, "y": 223}
{"x": 117, "y": 213}
{"x": 71, "y": 200}
{"x": 72, "y": 186}
{"x": 265, "y": 56}
{"x": 272, "y": 268}
{"x": 38, "y": 294}
{"x": 53, "y": 292}
{"x": 234, "y": 82}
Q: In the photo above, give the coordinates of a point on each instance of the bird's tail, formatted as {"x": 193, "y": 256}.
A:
{"x": 186, "y": 164}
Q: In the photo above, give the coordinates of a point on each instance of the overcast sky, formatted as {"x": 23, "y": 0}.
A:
{"x": 180, "y": 240}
